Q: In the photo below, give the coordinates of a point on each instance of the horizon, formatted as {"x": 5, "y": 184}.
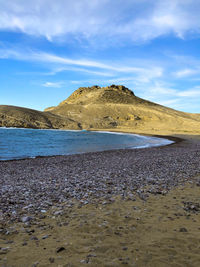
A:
{"x": 151, "y": 48}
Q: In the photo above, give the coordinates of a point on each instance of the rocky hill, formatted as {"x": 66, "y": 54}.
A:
{"x": 113, "y": 108}
{"x": 117, "y": 108}
{"x": 12, "y": 116}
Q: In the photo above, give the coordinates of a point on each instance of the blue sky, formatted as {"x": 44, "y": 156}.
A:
{"x": 50, "y": 48}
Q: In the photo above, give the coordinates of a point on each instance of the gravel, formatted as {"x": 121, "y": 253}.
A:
{"x": 32, "y": 186}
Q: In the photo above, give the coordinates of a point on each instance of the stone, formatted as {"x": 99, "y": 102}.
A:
{"x": 26, "y": 219}
{"x": 35, "y": 264}
{"x": 59, "y": 249}
{"x": 58, "y": 212}
{"x": 183, "y": 229}
{"x": 4, "y": 250}
{"x": 33, "y": 238}
{"x": 51, "y": 260}
{"x": 43, "y": 211}
{"x": 45, "y": 236}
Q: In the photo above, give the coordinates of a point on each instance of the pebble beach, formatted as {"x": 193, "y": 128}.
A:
{"x": 39, "y": 195}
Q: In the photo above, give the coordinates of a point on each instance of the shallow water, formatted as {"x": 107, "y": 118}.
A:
{"x": 30, "y": 143}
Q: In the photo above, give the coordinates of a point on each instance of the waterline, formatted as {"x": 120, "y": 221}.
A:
{"x": 18, "y": 143}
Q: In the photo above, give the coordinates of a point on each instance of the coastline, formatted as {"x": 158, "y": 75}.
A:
{"x": 163, "y": 137}
{"x": 136, "y": 195}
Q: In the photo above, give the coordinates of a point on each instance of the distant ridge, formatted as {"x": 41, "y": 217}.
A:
{"x": 114, "y": 107}
{"x": 12, "y": 116}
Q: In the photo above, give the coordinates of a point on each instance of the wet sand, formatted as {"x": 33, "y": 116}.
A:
{"x": 126, "y": 207}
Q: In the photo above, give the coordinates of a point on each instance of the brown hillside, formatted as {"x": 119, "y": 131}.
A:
{"x": 12, "y": 116}
{"x": 117, "y": 108}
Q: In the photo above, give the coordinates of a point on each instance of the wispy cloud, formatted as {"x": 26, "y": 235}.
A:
{"x": 147, "y": 79}
{"x": 193, "y": 92}
{"x": 76, "y": 69}
{"x": 138, "y": 20}
{"x": 171, "y": 96}
{"x": 187, "y": 67}
{"x": 185, "y": 73}
{"x": 53, "y": 84}
{"x": 63, "y": 63}
{"x": 161, "y": 89}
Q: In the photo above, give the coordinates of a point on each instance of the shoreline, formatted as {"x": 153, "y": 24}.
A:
{"x": 168, "y": 137}
{"x": 36, "y": 167}
{"x": 138, "y": 207}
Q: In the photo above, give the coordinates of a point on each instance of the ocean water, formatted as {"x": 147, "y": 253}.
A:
{"x": 29, "y": 143}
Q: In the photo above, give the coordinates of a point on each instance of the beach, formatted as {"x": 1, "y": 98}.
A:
{"x": 136, "y": 207}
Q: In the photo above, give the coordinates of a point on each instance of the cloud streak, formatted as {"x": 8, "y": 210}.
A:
{"x": 170, "y": 95}
{"x": 148, "y": 80}
{"x": 143, "y": 73}
{"x": 137, "y": 20}
{"x": 53, "y": 84}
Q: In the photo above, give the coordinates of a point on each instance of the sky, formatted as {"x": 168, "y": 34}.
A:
{"x": 50, "y": 48}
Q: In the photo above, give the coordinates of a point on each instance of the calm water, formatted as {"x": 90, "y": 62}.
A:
{"x": 29, "y": 143}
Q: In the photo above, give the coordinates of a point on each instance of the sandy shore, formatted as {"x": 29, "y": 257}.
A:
{"x": 135, "y": 207}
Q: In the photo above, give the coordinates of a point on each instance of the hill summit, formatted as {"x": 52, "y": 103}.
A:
{"x": 96, "y": 94}
{"x": 114, "y": 108}
{"x": 117, "y": 107}
{"x": 117, "y": 94}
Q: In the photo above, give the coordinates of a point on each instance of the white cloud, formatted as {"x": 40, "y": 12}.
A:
{"x": 161, "y": 89}
{"x": 194, "y": 92}
{"x": 144, "y": 74}
{"x": 171, "y": 102}
{"x": 53, "y": 84}
{"x": 75, "y": 69}
{"x": 145, "y": 78}
{"x": 168, "y": 17}
{"x": 170, "y": 95}
{"x": 185, "y": 68}
{"x": 135, "y": 19}
{"x": 186, "y": 72}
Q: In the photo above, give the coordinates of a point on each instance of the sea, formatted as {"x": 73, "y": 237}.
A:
{"x": 16, "y": 143}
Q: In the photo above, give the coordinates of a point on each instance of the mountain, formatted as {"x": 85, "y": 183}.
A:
{"x": 113, "y": 107}
{"x": 116, "y": 107}
{"x": 12, "y": 116}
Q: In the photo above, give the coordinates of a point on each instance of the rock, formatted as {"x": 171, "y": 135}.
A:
{"x": 45, "y": 236}
{"x": 58, "y": 212}
{"x": 91, "y": 255}
{"x": 4, "y": 250}
{"x": 43, "y": 211}
{"x": 51, "y": 260}
{"x": 190, "y": 206}
{"x": 26, "y": 219}
{"x": 29, "y": 231}
{"x": 35, "y": 264}
{"x": 59, "y": 249}
{"x": 33, "y": 238}
{"x": 183, "y": 229}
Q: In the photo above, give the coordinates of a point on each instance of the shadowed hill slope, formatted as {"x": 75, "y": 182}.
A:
{"x": 117, "y": 108}
{"x": 12, "y": 116}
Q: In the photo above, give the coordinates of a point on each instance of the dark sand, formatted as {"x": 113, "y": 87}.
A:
{"x": 134, "y": 207}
